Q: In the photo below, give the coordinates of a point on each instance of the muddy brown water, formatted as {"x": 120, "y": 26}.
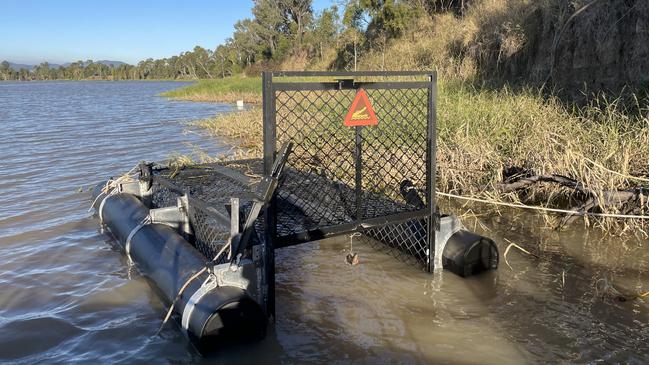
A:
{"x": 68, "y": 295}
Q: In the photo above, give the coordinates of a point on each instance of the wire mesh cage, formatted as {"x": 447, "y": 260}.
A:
{"x": 337, "y": 179}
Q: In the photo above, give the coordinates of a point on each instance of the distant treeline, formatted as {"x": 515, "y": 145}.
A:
{"x": 281, "y": 34}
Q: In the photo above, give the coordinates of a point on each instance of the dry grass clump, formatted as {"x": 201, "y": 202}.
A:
{"x": 483, "y": 133}
{"x": 489, "y": 40}
{"x": 243, "y": 128}
{"x": 228, "y": 97}
{"x": 436, "y": 43}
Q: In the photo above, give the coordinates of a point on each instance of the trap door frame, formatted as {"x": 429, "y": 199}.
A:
{"x": 346, "y": 81}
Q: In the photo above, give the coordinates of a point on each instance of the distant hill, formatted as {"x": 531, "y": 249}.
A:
{"x": 112, "y": 63}
{"x": 18, "y": 66}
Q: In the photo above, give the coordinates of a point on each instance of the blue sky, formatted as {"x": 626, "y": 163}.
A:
{"x": 61, "y": 31}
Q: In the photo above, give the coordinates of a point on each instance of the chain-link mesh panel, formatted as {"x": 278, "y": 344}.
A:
{"x": 205, "y": 183}
{"x": 162, "y": 196}
{"x": 407, "y": 240}
{"x": 323, "y": 184}
{"x": 394, "y": 150}
{"x": 210, "y": 234}
{"x": 320, "y": 184}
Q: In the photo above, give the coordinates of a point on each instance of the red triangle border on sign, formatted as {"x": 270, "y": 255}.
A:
{"x": 361, "y": 95}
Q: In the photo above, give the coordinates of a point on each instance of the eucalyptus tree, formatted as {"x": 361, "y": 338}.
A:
{"x": 204, "y": 59}
{"x": 5, "y": 71}
{"x": 298, "y": 14}
{"x": 222, "y": 59}
{"x": 268, "y": 22}
{"x": 325, "y": 31}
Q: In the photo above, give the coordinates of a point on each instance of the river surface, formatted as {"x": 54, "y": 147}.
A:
{"x": 67, "y": 295}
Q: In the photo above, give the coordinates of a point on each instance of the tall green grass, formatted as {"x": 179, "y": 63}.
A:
{"x": 226, "y": 90}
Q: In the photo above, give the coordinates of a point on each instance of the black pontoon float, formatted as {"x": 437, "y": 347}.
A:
{"x": 206, "y": 234}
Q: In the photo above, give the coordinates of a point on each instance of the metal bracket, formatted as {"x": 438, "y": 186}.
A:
{"x": 243, "y": 275}
{"x": 169, "y": 216}
{"x": 129, "y": 188}
{"x": 146, "y": 183}
{"x": 183, "y": 207}
{"x": 345, "y": 84}
{"x": 235, "y": 236}
{"x": 446, "y": 227}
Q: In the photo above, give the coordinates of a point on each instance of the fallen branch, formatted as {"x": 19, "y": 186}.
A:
{"x": 635, "y": 198}
{"x": 531, "y": 180}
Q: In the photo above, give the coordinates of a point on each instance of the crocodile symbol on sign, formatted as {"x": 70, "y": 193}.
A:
{"x": 361, "y": 114}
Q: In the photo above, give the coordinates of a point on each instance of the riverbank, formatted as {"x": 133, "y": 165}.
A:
{"x": 502, "y": 145}
{"x": 226, "y": 90}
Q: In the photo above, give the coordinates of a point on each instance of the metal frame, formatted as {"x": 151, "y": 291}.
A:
{"x": 270, "y": 89}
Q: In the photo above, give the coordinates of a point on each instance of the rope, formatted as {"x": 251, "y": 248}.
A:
{"x": 100, "y": 210}
{"x": 111, "y": 185}
{"x": 352, "y": 257}
{"x": 351, "y": 241}
{"x": 555, "y": 210}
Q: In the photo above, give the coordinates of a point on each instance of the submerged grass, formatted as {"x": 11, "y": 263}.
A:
{"x": 481, "y": 132}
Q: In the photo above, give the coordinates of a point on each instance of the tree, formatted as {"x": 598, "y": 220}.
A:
{"x": 297, "y": 16}
{"x": 386, "y": 17}
{"x": 222, "y": 59}
{"x": 326, "y": 29}
{"x": 246, "y": 42}
{"x": 268, "y": 22}
{"x": 24, "y": 74}
{"x": 42, "y": 71}
{"x": 6, "y": 71}
{"x": 204, "y": 60}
